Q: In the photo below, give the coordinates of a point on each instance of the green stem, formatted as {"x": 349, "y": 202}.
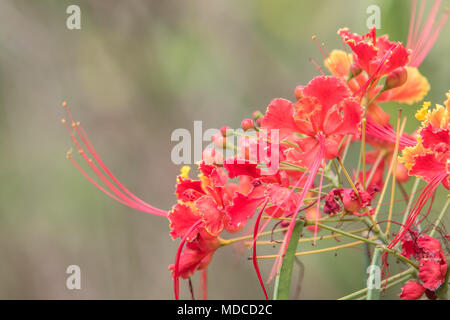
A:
{"x": 441, "y": 215}
{"x": 411, "y": 198}
{"x": 398, "y": 276}
{"x": 283, "y": 279}
{"x": 373, "y": 293}
{"x": 394, "y": 283}
{"x": 353, "y": 236}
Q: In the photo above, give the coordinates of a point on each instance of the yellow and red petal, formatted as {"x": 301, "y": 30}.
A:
{"x": 409, "y": 154}
{"x": 339, "y": 62}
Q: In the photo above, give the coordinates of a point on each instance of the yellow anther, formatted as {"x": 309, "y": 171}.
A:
{"x": 63, "y": 120}
{"x": 422, "y": 113}
{"x": 184, "y": 171}
{"x": 64, "y": 104}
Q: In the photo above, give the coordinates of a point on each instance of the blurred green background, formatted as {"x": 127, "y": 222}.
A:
{"x": 136, "y": 71}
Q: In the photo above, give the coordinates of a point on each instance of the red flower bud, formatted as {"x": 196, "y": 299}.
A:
{"x": 396, "y": 78}
{"x": 401, "y": 173}
{"x": 247, "y": 124}
{"x": 350, "y": 200}
{"x": 224, "y": 130}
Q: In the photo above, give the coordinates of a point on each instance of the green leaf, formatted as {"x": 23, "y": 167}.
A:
{"x": 283, "y": 279}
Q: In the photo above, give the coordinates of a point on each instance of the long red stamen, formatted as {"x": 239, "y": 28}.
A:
{"x": 129, "y": 199}
{"x": 387, "y": 133}
{"x": 281, "y": 203}
{"x": 421, "y": 43}
{"x": 255, "y": 260}
{"x": 312, "y": 174}
{"x": 423, "y": 52}
{"x": 318, "y": 207}
{"x": 411, "y": 22}
{"x": 426, "y": 193}
{"x": 316, "y": 65}
{"x": 320, "y": 48}
{"x": 109, "y": 173}
{"x": 429, "y": 209}
{"x": 204, "y": 284}
{"x": 427, "y": 26}
{"x": 176, "y": 274}
{"x": 124, "y": 199}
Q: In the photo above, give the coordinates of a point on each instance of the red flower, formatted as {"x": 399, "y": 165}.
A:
{"x": 432, "y": 264}
{"x": 325, "y": 109}
{"x": 376, "y": 56}
{"x": 196, "y": 256}
{"x": 412, "y": 290}
{"x": 432, "y": 272}
{"x": 351, "y": 201}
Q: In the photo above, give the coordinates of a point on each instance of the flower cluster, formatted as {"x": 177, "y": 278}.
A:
{"x": 429, "y": 159}
{"x": 432, "y": 266}
{"x": 306, "y": 141}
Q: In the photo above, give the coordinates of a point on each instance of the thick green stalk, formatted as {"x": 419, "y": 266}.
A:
{"x": 373, "y": 291}
{"x": 283, "y": 279}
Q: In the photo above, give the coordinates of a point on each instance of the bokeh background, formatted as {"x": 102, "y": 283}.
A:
{"x": 136, "y": 71}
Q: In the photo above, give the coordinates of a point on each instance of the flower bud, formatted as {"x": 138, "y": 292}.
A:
{"x": 219, "y": 140}
{"x": 401, "y": 173}
{"x": 350, "y": 200}
{"x": 298, "y": 92}
{"x": 355, "y": 70}
{"x": 224, "y": 130}
{"x": 247, "y": 124}
{"x": 312, "y": 214}
{"x": 396, "y": 78}
{"x": 259, "y": 122}
{"x": 256, "y": 115}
